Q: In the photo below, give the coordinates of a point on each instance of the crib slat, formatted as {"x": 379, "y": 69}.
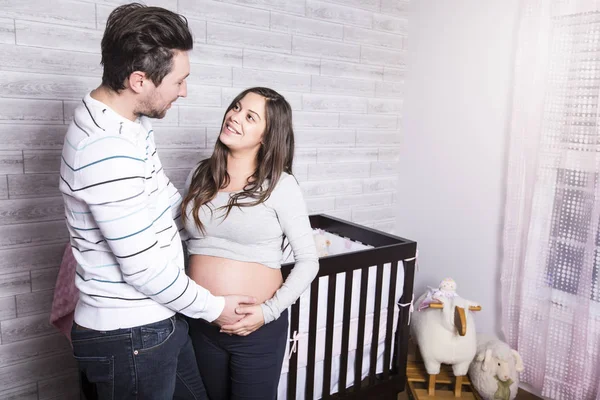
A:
{"x": 293, "y": 362}
{"x": 329, "y": 336}
{"x": 312, "y": 339}
{"x": 403, "y": 328}
{"x": 362, "y": 313}
{"x": 349, "y": 275}
{"x": 390, "y": 320}
{"x": 376, "y": 319}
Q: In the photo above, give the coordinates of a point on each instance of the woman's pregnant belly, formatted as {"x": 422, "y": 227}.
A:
{"x": 223, "y": 276}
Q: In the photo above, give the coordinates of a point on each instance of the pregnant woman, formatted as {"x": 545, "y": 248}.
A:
{"x": 241, "y": 205}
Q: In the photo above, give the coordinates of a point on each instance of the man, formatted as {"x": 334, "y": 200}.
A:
{"x": 123, "y": 215}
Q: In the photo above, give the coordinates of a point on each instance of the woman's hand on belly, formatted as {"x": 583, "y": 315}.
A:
{"x": 252, "y": 320}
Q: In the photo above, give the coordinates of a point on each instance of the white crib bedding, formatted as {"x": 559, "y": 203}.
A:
{"x": 335, "y": 365}
{"x": 341, "y": 247}
{"x": 339, "y": 296}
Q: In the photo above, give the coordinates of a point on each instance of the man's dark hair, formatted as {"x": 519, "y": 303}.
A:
{"x": 142, "y": 38}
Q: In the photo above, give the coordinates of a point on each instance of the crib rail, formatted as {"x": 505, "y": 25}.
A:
{"x": 387, "y": 249}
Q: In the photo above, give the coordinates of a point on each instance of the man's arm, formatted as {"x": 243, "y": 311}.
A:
{"x": 174, "y": 196}
{"x": 176, "y": 199}
{"x": 110, "y": 176}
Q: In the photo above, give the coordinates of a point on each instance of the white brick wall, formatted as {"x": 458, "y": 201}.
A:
{"x": 340, "y": 63}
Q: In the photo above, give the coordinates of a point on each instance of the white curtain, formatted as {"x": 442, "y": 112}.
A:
{"x": 551, "y": 240}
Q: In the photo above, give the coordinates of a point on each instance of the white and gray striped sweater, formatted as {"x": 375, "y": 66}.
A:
{"x": 123, "y": 216}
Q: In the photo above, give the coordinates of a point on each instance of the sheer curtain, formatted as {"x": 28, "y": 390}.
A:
{"x": 551, "y": 249}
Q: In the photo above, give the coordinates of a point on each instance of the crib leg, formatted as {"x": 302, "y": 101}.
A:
{"x": 458, "y": 386}
{"x": 431, "y": 389}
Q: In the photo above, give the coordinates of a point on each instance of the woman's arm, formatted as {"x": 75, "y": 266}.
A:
{"x": 289, "y": 204}
{"x": 293, "y": 218}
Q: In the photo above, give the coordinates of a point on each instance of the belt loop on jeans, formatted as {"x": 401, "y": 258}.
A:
{"x": 83, "y": 328}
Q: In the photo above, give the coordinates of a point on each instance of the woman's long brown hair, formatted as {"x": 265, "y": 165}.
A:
{"x": 274, "y": 157}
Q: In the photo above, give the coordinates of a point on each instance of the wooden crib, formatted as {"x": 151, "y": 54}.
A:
{"x": 387, "y": 249}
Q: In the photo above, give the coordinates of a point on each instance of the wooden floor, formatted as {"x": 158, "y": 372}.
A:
{"x": 522, "y": 395}
{"x": 416, "y": 372}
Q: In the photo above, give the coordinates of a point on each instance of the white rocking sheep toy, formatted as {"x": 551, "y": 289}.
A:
{"x": 446, "y": 335}
{"x": 495, "y": 370}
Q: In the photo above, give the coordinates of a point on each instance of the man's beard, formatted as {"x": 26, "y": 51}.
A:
{"x": 148, "y": 109}
{"x": 154, "y": 114}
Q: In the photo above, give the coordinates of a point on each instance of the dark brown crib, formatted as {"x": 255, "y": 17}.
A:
{"x": 386, "y": 249}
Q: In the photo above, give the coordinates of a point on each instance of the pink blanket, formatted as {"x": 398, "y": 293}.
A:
{"x": 66, "y": 294}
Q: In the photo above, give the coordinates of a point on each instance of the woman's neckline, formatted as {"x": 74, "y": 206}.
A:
{"x": 238, "y": 191}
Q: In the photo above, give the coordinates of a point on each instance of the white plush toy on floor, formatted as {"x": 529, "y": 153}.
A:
{"x": 495, "y": 370}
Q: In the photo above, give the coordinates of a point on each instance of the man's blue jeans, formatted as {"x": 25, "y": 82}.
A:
{"x": 150, "y": 362}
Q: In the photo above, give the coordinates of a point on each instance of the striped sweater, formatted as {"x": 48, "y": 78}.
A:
{"x": 123, "y": 216}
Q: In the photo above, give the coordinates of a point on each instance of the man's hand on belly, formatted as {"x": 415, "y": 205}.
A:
{"x": 232, "y": 302}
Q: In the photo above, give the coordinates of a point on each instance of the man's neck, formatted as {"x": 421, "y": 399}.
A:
{"x": 121, "y": 103}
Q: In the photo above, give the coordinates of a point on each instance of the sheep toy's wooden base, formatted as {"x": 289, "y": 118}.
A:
{"x": 422, "y": 386}
{"x": 445, "y": 385}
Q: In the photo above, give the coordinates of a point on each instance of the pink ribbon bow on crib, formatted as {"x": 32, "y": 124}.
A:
{"x": 411, "y": 307}
{"x": 295, "y": 338}
{"x": 415, "y": 259}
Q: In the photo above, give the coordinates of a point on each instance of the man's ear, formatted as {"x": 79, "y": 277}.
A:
{"x": 136, "y": 81}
